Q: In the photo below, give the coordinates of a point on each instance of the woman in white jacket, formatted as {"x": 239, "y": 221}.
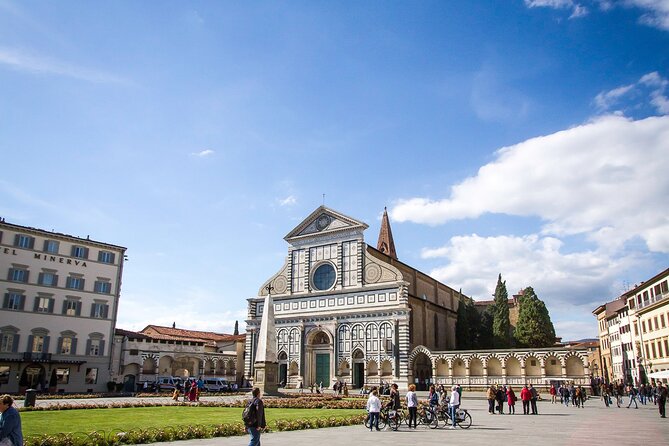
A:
{"x": 454, "y": 404}
{"x": 374, "y": 408}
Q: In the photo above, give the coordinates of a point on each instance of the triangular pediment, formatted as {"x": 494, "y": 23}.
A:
{"x": 324, "y": 221}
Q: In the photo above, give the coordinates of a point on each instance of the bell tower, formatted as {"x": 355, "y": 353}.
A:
{"x": 386, "y": 244}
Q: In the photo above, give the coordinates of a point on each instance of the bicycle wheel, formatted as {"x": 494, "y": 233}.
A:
{"x": 383, "y": 420}
{"x": 395, "y": 422}
{"x": 431, "y": 419}
{"x": 366, "y": 422}
{"x": 465, "y": 422}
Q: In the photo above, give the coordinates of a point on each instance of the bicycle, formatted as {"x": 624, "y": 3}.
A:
{"x": 462, "y": 417}
{"x": 428, "y": 416}
{"x": 387, "y": 417}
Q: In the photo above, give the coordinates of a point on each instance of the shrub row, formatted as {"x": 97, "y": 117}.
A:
{"x": 151, "y": 435}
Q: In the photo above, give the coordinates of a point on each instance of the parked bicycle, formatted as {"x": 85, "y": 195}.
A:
{"x": 387, "y": 417}
{"x": 427, "y": 416}
{"x": 462, "y": 417}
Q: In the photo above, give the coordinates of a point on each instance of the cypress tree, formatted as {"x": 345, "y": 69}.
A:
{"x": 462, "y": 329}
{"x": 485, "y": 336}
{"x": 236, "y": 332}
{"x": 500, "y": 313}
{"x": 534, "y": 328}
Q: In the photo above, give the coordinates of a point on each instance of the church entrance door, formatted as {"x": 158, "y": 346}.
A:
{"x": 323, "y": 369}
{"x": 283, "y": 373}
{"x": 358, "y": 374}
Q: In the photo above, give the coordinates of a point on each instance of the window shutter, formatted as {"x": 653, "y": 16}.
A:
{"x": 92, "y": 314}
{"x": 16, "y": 239}
{"x": 60, "y": 346}
{"x": 102, "y": 348}
{"x": 30, "y": 343}
{"x": 86, "y": 253}
{"x": 46, "y": 245}
{"x": 74, "y": 346}
{"x": 40, "y": 279}
{"x": 10, "y": 273}
{"x": 32, "y": 243}
{"x": 64, "y": 306}
{"x": 68, "y": 282}
{"x": 78, "y": 310}
{"x": 88, "y": 347}
{"x": 5, "y": 302}
{"x": 81, "y": 284}
{"x": 36, "y": 305}
{"x": 27, "y": 276}
{"x": 22, "y": 302}
{"x": 55, "y": 280}
{"x": 72, "y": 250}
{"x": 112, "y": 257}
{"x": 52, "y": 302}
{"x": 15, "y": 347}
{"x": 45, "y": 348}
{"x": 105, "y": 312}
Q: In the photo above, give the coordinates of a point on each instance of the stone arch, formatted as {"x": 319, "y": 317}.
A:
{"x": 319, "y": 336}
{"x": 421, "y": 363}
{"x": 418, "y": 350}
{"x": 475, "y": 366}
{"x": 552, "y": 365}
{"x": 372, "y": 368}
{"x": 344, "y": 368}
{"x": 459, "y": 366}
{"x": 512, "y": 365}
{"x": 386, "y": 368}
{"x": 282, "y": 356}
{"x": 494, "y": 366}
{"x": 149, "y": 364}
{"x": 165, "y": 365}
{"x": 532, "y": 365}
{"x": 442, "y": 366}
{"x": 574, "y": 365}
{"x": 293, "y": 369}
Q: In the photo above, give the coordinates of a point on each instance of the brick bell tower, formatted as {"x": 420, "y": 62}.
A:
{"x": 386, "y": 244}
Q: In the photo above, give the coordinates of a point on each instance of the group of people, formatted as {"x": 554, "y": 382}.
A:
{"x": 340, "y": 388}
{"x": 191, "y": 390}
{"x": 569, "y": 393}
{"x": 645, "y": 393}
{"x": 499, "y": 395}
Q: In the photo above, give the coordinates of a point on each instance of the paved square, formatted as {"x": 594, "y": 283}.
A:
{"x": 556, "y": 425}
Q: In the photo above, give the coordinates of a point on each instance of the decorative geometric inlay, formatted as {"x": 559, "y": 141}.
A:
{"x": 372, "y": 273}
{"x": 280, "y": 285}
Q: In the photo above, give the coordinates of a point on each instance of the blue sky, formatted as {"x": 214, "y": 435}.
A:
{"x": 527, "y": 138}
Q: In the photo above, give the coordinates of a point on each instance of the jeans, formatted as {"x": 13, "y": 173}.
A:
{"x": 255, "y": 435}
{"x": 526, "y": 407}
{"x": 452, "y": 410}
{"x": 374, "y": 420}
{"x": 413, "y": 413}
{"x": 491, "y": 406}
{"x": 632, "y": 400}
{"x": 533, "y": 402}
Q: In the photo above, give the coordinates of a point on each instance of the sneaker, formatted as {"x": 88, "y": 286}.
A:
{"x": 452, "y": 427}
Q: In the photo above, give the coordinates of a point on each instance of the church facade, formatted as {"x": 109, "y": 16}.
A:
{"x": 350, "y": 312}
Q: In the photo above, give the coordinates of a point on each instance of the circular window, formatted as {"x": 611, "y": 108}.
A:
{"x": 324, "y": 277}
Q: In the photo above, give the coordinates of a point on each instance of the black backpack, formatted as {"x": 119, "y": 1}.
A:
{"x": 249, "y": 415}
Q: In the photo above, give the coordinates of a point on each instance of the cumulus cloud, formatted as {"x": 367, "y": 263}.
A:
{"x": 21, "y": 60}
{"x": 204, "y": 153}
{"x": 577, "y": 9}
{"x": 604, "y": 179}
{"x": 650, "y": 87}
{"x": 656, "y": 12}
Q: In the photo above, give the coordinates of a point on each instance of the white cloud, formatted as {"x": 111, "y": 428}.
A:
{"x": 204, "y": 153}
{"x": 656, "y": 12}
{"x": 288, "y": 201}
{"x": 651, "y": 85}
{"x": 577, "y": 9}
{"x": 605, "y": 179}
{"x": 22, "y": 61}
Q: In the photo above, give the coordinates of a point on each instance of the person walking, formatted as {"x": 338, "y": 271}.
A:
{"x": 374, "y": 408}
{"x": 661, "y": 398}
{"x": 454, "y": 404}
{"x": 553, "y": 393}
{"x": 412, "y": 405}
{"x": 511, "y": 399}
{"x": 10, "y": 423}
{"x": 500, "y": 396}
{"x": 631, "y": 391}
{"x": 525, "y": 397}
{"x": 256, "y": 423}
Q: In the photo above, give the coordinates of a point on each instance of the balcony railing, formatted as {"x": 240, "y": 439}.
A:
{"x": 35, "y": 356}
{"x": 652, "y": 300}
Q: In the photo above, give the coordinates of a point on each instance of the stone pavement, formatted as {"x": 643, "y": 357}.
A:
{"x": 593, "y": 425}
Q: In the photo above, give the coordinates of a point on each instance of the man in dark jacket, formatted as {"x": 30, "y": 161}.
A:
{"x": 254, "y": 428}
{"x": 533, "y": 401}
{"x": 10, "y": 423}
{"x": 661, "y": 398}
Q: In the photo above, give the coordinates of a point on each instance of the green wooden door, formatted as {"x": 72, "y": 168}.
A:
{"x": 323, "y": 369}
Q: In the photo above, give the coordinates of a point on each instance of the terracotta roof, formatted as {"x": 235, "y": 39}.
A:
{"x": 131, "y": 334}
{"x": 159, "y": 332}
{"x": 386, "y": 244}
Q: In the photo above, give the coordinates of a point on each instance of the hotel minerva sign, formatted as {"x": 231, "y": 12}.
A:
{"x": 50, "y": 258}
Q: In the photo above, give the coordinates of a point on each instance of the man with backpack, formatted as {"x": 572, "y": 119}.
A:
{"x": 254, "y": 417}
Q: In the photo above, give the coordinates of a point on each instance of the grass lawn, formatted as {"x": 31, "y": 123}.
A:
{"x": 88, "y": 420}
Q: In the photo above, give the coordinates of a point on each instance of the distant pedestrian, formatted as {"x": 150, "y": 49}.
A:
{"x": 533, "y": 400}
{"x": 631, "y": 391}
{"x": 661, "y": 399}
{"x": 526, "y": 396}
{"x": 412, "y": 405}
{"x": 553, "y": 393}
{"x": 511, "y": 400}
{"x": 454, "y": 404}
{"x": 374, "y": 408}
{"x": 491, "y": 395}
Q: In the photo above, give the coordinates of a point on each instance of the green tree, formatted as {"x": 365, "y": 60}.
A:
{"x": 484, "y": 337}
{"x": 534, "y": 328}
{"x": 500, "y": 313}
{"x": 462, "y": 339}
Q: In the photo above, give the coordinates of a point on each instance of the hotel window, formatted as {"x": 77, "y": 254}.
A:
{"x": 664, "y": 287}
{"x": 43, "y": 304}
{"x": 91, "y": 376}
{"x": 666, "y": 347}
{"x": 102, "y": 287}
{"x": 350, "y": 263}
{"x": 51, "y": 246}
{"x": 95, "y": 345}
{"x": 652, "y": 346}
{"x": 657, "y": 326}
{"x": 298, "y": 270}
{"x": 67, "y": 343}
{"x": 106, "y": 257}
{"x": 643, "y": 326}
{"x": 39, "y": 343}
{"x": 24, "y": 241}
{"x": 80, "y": 252}
{"x": 9, "y": 342}
{"x": 99, "y": 310}
{"x": 63, "y": 376}
{"x": 662, "y": 320}
{"x": 75, "y": 283}
{"x": 65, "y": 346}
{"x": 13, "y": 301}
{"x": 71, "y": 307}
{"x": 48, "y": 279}
{"x": 18, "y": 275}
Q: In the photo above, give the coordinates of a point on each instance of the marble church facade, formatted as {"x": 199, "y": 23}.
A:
{"x": 347, "y": 311}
